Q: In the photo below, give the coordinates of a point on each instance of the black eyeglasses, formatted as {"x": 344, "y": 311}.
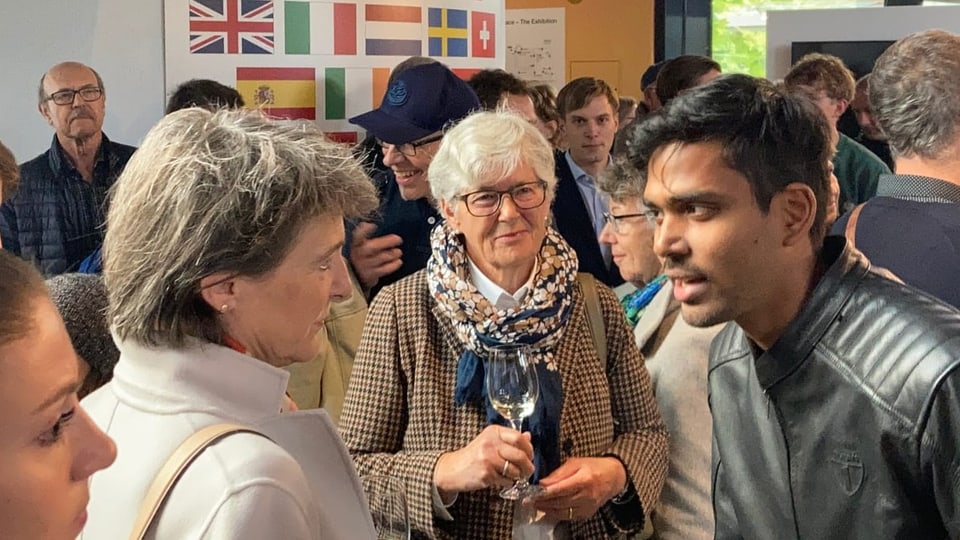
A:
{"x": 487, "y": 202}
{"x": 617, "y": 221}
{"x": 66, "y": 97}
{"x": 410, "y": 149}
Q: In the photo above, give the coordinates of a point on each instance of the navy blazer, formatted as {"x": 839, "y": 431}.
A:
{"x": 572, "y": 220}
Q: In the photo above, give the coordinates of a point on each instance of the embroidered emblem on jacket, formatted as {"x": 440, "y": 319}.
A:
{"x": 849, "y": 470}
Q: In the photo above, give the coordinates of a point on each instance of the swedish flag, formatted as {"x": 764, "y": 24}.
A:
{"x": 447, "y": 32}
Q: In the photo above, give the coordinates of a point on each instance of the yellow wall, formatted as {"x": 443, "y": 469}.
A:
{"x": 605, "y": 37}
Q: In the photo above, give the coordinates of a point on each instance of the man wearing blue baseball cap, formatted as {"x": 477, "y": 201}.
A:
{"x": 419, "y": 103}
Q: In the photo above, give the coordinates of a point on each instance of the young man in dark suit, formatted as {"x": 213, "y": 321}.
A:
{"x": 588, "y": 110}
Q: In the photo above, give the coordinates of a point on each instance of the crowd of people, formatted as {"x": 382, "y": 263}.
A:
{"x": 742, "y": 324}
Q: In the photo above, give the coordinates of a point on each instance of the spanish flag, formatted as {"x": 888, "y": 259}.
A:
{"x": 280, "y": 92}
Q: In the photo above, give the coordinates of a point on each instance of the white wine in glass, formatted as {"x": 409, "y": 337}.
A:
{"x": 513, "y": 389}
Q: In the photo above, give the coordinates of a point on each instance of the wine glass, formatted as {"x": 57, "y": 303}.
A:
{"x": 387, "y": 501}
{"x": 513, "y": 388}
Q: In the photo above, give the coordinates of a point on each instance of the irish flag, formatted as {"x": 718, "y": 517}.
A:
{"x": 318, "y": 27}
{"x": 280, "y": 92}
{"x": 351, "y": 91}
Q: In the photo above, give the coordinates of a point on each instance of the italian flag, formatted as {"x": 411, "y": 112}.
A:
{"x": 319, "y": 27}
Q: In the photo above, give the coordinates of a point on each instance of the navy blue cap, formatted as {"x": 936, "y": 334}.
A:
{"x": 420, "y": 101}
{"x": 650, "y": 75}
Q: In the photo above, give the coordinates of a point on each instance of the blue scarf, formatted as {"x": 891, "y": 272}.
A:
{"x": 635, "y": 303}
{"x": 538, "y": 322}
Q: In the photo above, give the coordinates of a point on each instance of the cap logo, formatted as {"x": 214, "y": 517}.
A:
{"x": 397, "y": 94}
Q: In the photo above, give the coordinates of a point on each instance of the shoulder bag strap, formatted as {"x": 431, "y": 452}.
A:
{"x": 851, "y": 230}
{"x": 591, "y": 301}
{"x": 173, "y": 468}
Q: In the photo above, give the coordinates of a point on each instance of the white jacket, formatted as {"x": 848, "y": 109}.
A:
{"x": 300, "y": 484}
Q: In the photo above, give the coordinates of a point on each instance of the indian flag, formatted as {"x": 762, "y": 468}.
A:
{"x": 348, "y": 92}
{"x": 280, "y": 92}
{"x": 320, "y": 28}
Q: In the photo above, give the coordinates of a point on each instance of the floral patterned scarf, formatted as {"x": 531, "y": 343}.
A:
{"x": 538, "y": 321}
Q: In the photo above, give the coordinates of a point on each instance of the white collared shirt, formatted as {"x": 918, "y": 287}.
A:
{"x": 596, "y": 202}
{"x": 497, "y": 296}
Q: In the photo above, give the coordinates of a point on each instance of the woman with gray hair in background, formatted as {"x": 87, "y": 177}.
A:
{"x": 500, "y": 275}
{"x": 221, "y": 257}
{"x": 676, "y": 354}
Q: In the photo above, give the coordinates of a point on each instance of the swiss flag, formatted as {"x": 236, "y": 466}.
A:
{"x": 482, "y": 35}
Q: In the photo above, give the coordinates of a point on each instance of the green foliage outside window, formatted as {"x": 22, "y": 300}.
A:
{"x": 739, "y": 37}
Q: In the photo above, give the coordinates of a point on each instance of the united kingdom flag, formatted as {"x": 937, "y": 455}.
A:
{"x": 231, "y": 26}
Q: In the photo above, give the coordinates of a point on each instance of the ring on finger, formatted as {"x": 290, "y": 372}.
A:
{"x": 506, "y": 465}
{"x": 570, "y": 513}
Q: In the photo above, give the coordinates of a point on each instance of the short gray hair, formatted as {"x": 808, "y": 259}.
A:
{"x": 210, "y": 192}
{"x": 485, "y": 148}
{"x": 914, "y": 94}
{"x": 621, "y": 180}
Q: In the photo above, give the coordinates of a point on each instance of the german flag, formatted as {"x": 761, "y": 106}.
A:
{"x": 280, "y": 92}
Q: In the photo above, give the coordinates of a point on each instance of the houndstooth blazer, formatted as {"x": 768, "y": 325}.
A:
{"x": 399, "y": 415}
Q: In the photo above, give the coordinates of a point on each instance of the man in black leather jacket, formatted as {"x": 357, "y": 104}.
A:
{"x": 834, "y": 392}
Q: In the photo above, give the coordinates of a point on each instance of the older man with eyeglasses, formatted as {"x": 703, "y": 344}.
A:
{"x": 56, "y": 217}
{"x": 419, "y": 104}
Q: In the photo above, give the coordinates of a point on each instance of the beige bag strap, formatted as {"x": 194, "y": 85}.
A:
{"x": 173, "y": 468}
{"x": 591, "y": 301}
{"x": 851, "y": 229}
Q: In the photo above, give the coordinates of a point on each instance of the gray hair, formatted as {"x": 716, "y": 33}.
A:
{"x": 485, "y": 148}
{"x": 914, "y": 95}
{"x": 621, "y": 180}
{"x": 42, "y": 94}
{"x": 81, "y": 300}
{"x": 210, "y": 192}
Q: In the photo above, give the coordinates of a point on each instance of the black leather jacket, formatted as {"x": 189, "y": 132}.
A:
{"x": 849, "y": 426}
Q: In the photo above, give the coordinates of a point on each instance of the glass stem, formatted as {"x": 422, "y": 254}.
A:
{"x": 519, "y": 483}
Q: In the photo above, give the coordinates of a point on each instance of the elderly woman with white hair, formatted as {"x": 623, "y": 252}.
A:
{"x": 221, "y": 257}
{"x": 501, "y": 275}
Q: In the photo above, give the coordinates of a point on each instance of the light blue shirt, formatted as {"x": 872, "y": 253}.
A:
{"x": 596, "y": 202}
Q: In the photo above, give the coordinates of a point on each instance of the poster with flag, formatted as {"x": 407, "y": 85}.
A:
{"x": 280, "y": 92}
{"x": 393, "y": 30}
{"x": 483, "y": 32}
{"x": 447, "y": 32}
{"x": 351, "y": 91}
{"x": 231, "y": 26}
{"x": 324, "y": 60}
{"x": 318, "y": 27}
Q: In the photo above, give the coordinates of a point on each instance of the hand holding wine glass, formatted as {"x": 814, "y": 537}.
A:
{"x": 513, "y": 389}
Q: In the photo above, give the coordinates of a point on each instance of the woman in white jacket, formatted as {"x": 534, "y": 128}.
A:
{"x": 221, "y": 257}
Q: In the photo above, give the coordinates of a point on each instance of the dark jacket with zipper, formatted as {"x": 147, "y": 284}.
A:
{"x": 56, "y": 218}
{"x": 849, "y": 426}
